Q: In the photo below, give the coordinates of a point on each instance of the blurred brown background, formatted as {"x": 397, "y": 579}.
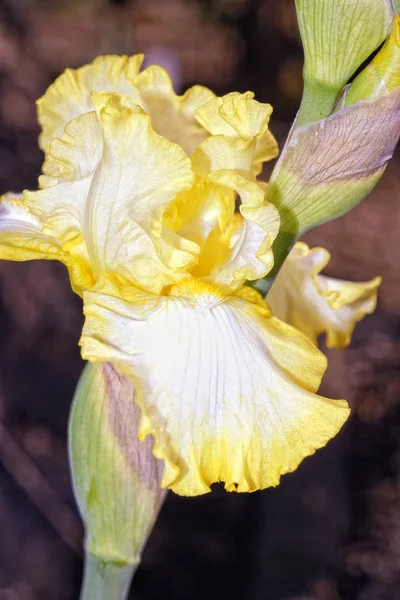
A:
{"x": 332, "y": 529}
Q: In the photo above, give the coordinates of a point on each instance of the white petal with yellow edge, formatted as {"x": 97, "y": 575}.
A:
{"x": 109, "y": 180}
{"x": 317, "y": 304}
{"x": 22, "y": 238}
{"x": 226, "y": 390}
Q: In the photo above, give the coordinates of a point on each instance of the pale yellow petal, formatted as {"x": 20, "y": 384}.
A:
{"x": 235, "y": 114}
{"x": 69, "y": 96}
{"x": 350, "y": 304}
{"x": 22, "y": 238}
{"x": 173, "y": 116}
{"x": 144, "y": 172}
{"x": 196, "y": 212}
{"x": 229, "y": 157}
{"x": 219, "y": 152}
{"x": 340, "y": 293}
{"x": 233, "y": 247}
{"x": 240, "y": 116}
{"x": 248, "y": 253}
{"x": 219, "y": 383}
{"x": 205, "y": 214}
{"x": 217, "y": 251}
{"x": 110, "y": 179}
{"x": 317, "y": 304}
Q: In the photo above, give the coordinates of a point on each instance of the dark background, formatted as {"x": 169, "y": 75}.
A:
{"x": 332, "y": 529}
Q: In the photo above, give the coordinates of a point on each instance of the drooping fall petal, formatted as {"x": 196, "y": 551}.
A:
{"x": 227, "y": 390}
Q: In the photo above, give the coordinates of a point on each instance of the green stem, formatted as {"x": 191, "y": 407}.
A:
{"x": 106, "y": 580}
{"x": 318, "y": 102}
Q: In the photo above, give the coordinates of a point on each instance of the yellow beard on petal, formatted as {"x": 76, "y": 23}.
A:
{"x": 197, "y": 292}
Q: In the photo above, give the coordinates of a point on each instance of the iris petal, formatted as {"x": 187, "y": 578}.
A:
{"x": 317, "y": 304}
{"x": 69, "y": 96}
{"x": 225, "y": 389}
{"x": 109, "y": 180}
{"x": 172, "y": 116}
{"x": 22, "y": 238}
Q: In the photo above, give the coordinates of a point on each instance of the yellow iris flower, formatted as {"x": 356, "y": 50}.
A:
{"x": 137, "y": 199}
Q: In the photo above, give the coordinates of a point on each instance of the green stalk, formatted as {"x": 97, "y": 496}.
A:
{"x": 106, "y": 580}
{"x": 318, "y": 102}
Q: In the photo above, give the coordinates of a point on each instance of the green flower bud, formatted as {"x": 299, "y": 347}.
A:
{"x": 327, "y": 168}
{"x": 338, "y": 36}
{"x": 116, "y": 480}
{"x": 382, "y": 75}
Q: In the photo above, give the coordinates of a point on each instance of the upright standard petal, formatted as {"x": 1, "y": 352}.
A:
{"x": 69, "y": 96}
{"x": 22, "y": 238}
{"x": 172, "y": 116}
{"x": 226, "y": 389}
{"x": 317, "y": 304}
{"x": 143, "y": 172}
{"x": 239, "y": 116}
{"x": 109, "y": 181}
{"x": 231, "y": 157}
{"x": 248, "y": 242}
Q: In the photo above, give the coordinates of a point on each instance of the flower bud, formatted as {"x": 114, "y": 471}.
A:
{"x": 338, "y": 36}
{"x": 326, "y": 168}
{"x": 116, "y": 478}
{"x": 382, "y": 75}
